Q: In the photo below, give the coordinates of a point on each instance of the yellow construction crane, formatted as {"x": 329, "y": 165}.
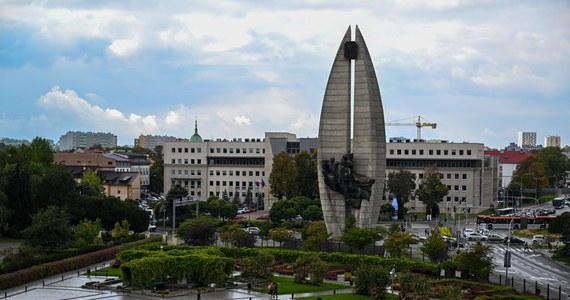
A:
{"x": 419, "y": 124}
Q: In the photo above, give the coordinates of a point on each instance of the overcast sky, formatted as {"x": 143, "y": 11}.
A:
{"x": 482, "y": 70}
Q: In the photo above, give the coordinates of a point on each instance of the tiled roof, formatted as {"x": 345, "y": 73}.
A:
{"x": 509, "y": 157}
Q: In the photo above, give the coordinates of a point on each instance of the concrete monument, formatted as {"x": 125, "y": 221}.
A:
{"x": 351, "y": 175}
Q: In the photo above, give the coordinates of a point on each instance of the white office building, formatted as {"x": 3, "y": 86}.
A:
{"x": 526, "y": 139}
{"x": 552, "y": 141}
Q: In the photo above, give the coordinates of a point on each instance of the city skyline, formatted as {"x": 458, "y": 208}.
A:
{"x": 481, "y": 71}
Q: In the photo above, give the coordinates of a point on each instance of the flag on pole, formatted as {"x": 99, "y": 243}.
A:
{"x": 262, "y": 183}
{"x": 395, "y": 203}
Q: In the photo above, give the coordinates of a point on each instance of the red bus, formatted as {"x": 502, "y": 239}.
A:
{"x": 518, "y": 222}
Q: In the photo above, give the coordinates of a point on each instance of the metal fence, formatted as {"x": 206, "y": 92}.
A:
{"x": 522, "y": 285}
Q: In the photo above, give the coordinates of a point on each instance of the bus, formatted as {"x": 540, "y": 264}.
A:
{"x": 502, "y": 222}
{"x": 507, "y": 211}
{"x": 558, "y": 202}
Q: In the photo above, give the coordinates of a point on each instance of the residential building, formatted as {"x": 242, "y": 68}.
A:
{"x": 123, "y": 185}
{"x": 151, "y": 141}
{"x": 527, "y": 139}
{"x": 552, "y": 141}
{"x": 469, "y": 174}
{"x": 508, "y": 162}
{"x": 77, "y": 139}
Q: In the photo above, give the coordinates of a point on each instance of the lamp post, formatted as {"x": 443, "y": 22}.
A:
{"x": 507, "y": 262}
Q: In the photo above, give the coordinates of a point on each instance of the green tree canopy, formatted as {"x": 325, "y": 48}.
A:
{"x": 49, "y": 231}
{"x": 431, "y": 190}
{"x": 87, "y": 232}
{"x": 315, "y": 235}
{"x": 91, "y": 184}
{"x": 401, "y": 184}
{"x": 475, "y": 262}
{"x": 554, "y": 161}
{"x": 397, "y": 241}
{"x": 307, "y": 181}
{"x": 435, "y": 247}
{"x": 531, "y": 173}
{"x": 358, "y": 238}
{"x": 282, "y": 180}
{"x": 281, "y": 234}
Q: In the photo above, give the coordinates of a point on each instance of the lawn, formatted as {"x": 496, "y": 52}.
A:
{"x": 287, "y": 286}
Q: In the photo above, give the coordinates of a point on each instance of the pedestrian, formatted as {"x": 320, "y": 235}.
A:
{"x": 270, "y": 288}
{"x": 275, "y": 285}
{"x": 525, "y": 246}
{"x": 415, "y": 217}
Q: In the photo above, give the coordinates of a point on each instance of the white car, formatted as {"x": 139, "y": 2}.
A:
{"x": 476, "y": 237}
{"x": 538, "y": 239}
{"x": 252, "y": 230}
{"x": 243, "y": 210}
{"x": 468, "y": 231}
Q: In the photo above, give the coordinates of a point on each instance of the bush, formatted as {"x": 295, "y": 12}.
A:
{"x": 372, "y": 280}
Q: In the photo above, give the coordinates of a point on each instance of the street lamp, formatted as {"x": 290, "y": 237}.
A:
{"x": 507, "y": 262}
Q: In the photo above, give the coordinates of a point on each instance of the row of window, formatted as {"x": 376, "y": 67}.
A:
{"x": 456, "y": 188}
{"x": 426, "y": 163}
{"x": 430, "y": 152}
{"x": 455, "y": 199}
{"x": 260, "y": 161}
{"x": 237, "y": 150}
{"x": 244, "y": 184}
{"x": 236, "y": 172}
{"x": 192, "y": 161}
{"x": 192, "y": 150}
{"x": 231, "y": 194}
{"x": 448, "y": 176}
{"x": 186, "y": 172}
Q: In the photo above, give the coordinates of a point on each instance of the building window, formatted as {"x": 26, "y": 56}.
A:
{"x": 237, "y": 183}
{"x": 449, "y": 187}
{"x": 237, "y": 150}
{"x": 250, "y": 150}
{"x": 448, "y": 199}
{"x": 456, "y": 176}
{"x": 448, "y": 176}
{"x": 392, "y": 151}
{"x": 211, "y": 172}
{"x": 468, "y": 152}
{"x": 464, "y": 176}
{"x": 445, "y": 152}
{"x": 460, "y": 152}
{"x": 413, "y": 151}
{"x": 257, "y": 150}
{"x": 211, "y": 183}
{"x": 250, "y": 173}
{"x": 399, "y": 151}
{"x": 464, "y": 188}
{"x": 438, "y": 152}
{"x": 406, "y": 152}
{"x": 223, "y": 183}
{"x": 186, "y": 161}
{"x": 225, "y": 150}
{"x": 179, "y": 150}
{"x": 421, "y": 151}
{"x": 199, "y": 161}
{"x": 456, "y": 187}
{"x": 185, "y": 172}
{"x": 173, "y": 172}
{"x": 192, "y": 150}
{"x": 456, "y": 199}
{"x": 217, "y": 172}
{"x": 185, "y": 150}
{"x": 173, "y": 161}
{"x": 211, "y": 150}
{"x": 224, "y": 173}
{"x": 256, "y": 173}
{"x": 453, "y": 152}
{"x": 237, "y": 173}
{"x": 173, "y": 150}
{"x": 192, "y": 161}
{"x": 231, "y": 150}
{"x": 421, "y": 175}
{"x": 430, "y": 152}
{"x": 231, "y": 172}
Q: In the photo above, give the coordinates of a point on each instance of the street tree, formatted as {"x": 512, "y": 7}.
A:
{"x": 283, "y": 178}
{"x": 435, "y": 247}
{"x": 554, "y": 161}
{"x": 282, "y": 210}
{"x": 200, "y": 231}
{"x": 50, "y": 230}
{"x": 532, "y": 173}
{"x": 401, "y": 184}
{"x": 307, "y": 180}
{"x": 156, "y": 171}
{"x": 475, "y": 262}
{"x": 177, "y": 192}
{"x": 281, "y": 234}
{"x": 397, "y": 241}
{"x": 312, "y": 213}
{"x": 358, "y": 238}
{"x": 236, "y": 235}
{"x": 220, "y": 208}
{"x": 315, "y": 235}
{"x": 431, "y": 190}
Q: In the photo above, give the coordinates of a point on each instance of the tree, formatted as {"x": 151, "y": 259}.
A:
{"x": 315, "y": 235}
{"x": 554, "y": 161}
{"x": 156, "y": 171}
{"x": 531, "y": 173}
{"x": 281, "y": 234}
{"x": 121, "y": 230}
{"x": 220, "y": 208}
{"x": 42, "y": 151}
{"x": 372, "y": 280}
{"x": 431, "y": 190}
{"x": 91, "y": 183}
{"x": 387, "y": 209}
{"x": 397, "y": 241}
{"x": 312, "y": 213}
{"x": 258, "y": 266}
{"x": 475, "y": 262}
{"x": 235, "y": 200}
{"x": 358, "y": 238}
{"x": 310, "y": 265}
{"x": 248, "y": 201}
{"x": 307, "y": 180}
{"x": 414, "y": 286}
{"x": 282, "y": 210}
{"x": 87, "y": 232}
{"x": 57, "y": 187}
{"x": 401, "y": 185}
{"x": 177, "y": 192}
{"x": 237, "y": 236}
{"x": 435, "y": 247}
{"x": 282, "y": 180}
{"x": 49, "y": 231}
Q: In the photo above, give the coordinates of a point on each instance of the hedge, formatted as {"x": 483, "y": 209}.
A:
{"x": 38, "y": 272}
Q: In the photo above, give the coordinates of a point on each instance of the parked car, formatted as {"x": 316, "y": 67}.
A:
{"x": 467, "y": 231}
{"x": 418, "y": 239}
{"x": 151, "y": 227}
{"x": 238, "y": 217}
{"x": 243, "y": 210}
{"x": 474, "y": 236}
{"x": 514, "y": 240}
{"x": 538, "y": 239}
{"x": 493, "y": 237}
{"x": 252, "y": 230}
{"x": 453, "y": 242}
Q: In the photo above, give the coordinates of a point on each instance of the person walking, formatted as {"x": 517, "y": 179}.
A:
{"x": 275, "y": 285}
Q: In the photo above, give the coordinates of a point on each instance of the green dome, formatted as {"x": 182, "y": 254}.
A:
{"x": 196, "y": 137}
